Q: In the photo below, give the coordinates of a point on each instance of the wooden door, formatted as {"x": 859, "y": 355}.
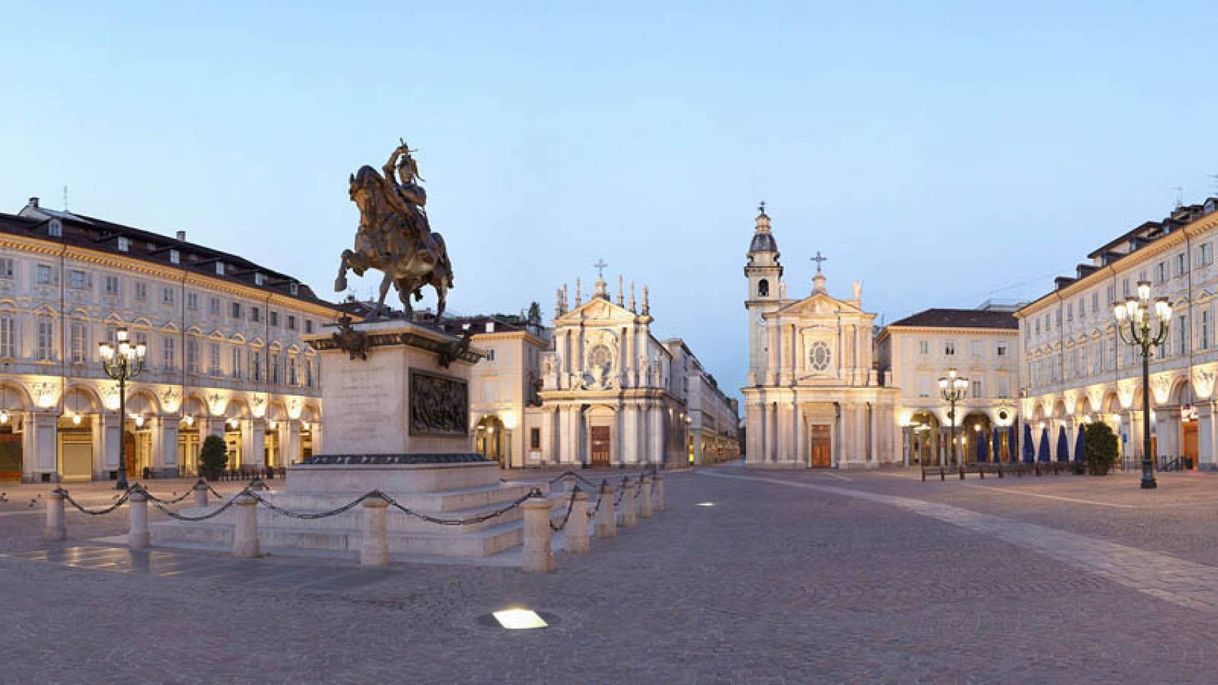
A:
{"x": 600, "y": 445}
{"x": 10, "y": 455}
{"x": 1189, "y": 438}
{"x": 822, "y": 447}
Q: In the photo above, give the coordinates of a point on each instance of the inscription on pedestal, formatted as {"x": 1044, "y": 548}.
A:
{"x": 365, "y": 397}
{"x": 439, "y": 405}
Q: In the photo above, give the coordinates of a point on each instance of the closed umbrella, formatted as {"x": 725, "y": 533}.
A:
{"x": 1029, "y": 447}
{"x": 1011, "y": 444}
{"x": 1063, "y": 445}
{"x": 996, "y": 446}
{"x": 1078, "y": 444}
{"x": 1042, "y": 451}
{"x": 980, "y": 440}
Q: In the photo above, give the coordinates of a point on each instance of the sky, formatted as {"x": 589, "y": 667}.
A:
{"x": 942, "y": 153}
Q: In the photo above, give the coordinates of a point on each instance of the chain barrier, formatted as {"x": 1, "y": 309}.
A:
{"x": 466, "y": 521}
{"x": 203, "y": 517}
{"x": 94, "y": 512}
{"x": 600, "y": 496}
{"x": 314, "y": 515}
{"x": 153, "y": 498}
{"x": 570, "y": 507}
{"x": 621, "y": 492}
{"x": 568, "y": 474}
{"x": 638, "y": 490}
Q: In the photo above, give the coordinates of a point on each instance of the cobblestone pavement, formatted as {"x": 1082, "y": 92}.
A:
{"x": 789, "y": 577}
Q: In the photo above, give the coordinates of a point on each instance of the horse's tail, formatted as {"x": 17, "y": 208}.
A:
{"x": 448, "y": 265}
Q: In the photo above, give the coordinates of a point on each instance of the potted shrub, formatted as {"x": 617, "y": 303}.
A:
{"x": 1099, "y": 448}
{"x": 213, "y": 456}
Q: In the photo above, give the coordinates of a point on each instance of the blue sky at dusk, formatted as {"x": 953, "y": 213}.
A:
{"x": 943, "y": 153}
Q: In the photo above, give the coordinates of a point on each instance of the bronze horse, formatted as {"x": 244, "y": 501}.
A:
{"x": 395, "y": 238}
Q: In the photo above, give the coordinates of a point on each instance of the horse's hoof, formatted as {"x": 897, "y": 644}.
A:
{"x": 340, "y": 285}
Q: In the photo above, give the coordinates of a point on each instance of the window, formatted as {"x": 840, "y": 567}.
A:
{"x": 111, "y": 285}
{"x": 763, "y": 288}
{"x": 236, "y": 370}
{"x": 274, "y": 368}
{"x": 8, "y": 336}
{"x": 308, "y": 373}
{"x": 166, "y": 295}
{"x": 219, "y": 268}
{"x": 192, "y": 355}
{"x": 175, "y": 257}
{"x": 42, "y": 274}
{"x": 1182, "y": 335}
{"x": 1004, "y": 387}
{"x": 256, "y": 366}
{"x": 76, "y": 333}
{"x": 291, "y": 322}
{"x": 76, "y": 279}
{"x": 1000, "y": 350}
{"x": 923, "y": 386}
{"x": 6, "y": 267}
{"x": 1161, "y": 272}
{"x": 213, "y": 359}
{"x": 235, "y": 310}
{"x": 1125, "y": 288}
{"x": 977, "y": 387}
{"x": 124, "y": 244}
{"x": 213, "y": 306}
{"x": 46, "y": 340}
{"x": 275, "y": 319}
{"x": 55, "y": 229}
{"x": 534, "y": 438}
{"x": 1070, "y": 311}
{"x": 949, "y": 348}
{"x": 1111, "y": 294}
{"x": 1059, "y": 318}
{"x": 1095, "y": 301}
{"x": 923, "y": 347}
{"x": 255, "y": 314}
{"x": 192, "y": 301}
{"x": 169, "y": 353}
{"x": 1205, "y": 329}
{"x": 308, "y": 325}
{"x": 292, "y": 370}
{"x": 1181, "y": 264}
{"x": 1082, "y": 308}
{"x": 259, "y": 279}
{"x": 141, "y": 290}
{"x": 1205, "y": 254}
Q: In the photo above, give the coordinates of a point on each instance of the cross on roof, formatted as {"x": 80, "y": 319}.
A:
{"x": 761, "y": 207}
{"x": 600, "y": 268}
{"x": 818, "y": 259}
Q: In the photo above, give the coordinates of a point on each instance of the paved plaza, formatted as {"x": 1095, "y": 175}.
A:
{"x": 789, "y": 577}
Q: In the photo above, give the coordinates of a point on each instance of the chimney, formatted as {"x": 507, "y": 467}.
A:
{"x": 181, "y": 234}
{"x": 34, "y": 202}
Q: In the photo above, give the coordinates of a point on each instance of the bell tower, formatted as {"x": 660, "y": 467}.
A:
{"x": 764, "y": 273}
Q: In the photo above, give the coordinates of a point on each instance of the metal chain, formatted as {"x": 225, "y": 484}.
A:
{"x": 316, "y": 515}
{"x": 572, "y": 473}
{"x": 154, "y": 498}
{"x": 97, "y": 512}
{"x": 570, "y": 507}
{"x": 212, "y": 514}
{"x": 599, "y": 498}
{"x": 466, "y": 521}
{"x": 617, "y": 502}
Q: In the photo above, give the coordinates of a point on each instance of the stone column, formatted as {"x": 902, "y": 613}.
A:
{"x": 245, "y": 527}
{"x": 771, "y": 367}
{"x": 873, "y": 446}
{"x": 657, "y": 491}
{"x": 627, "y": 511}
{"x": 200, "y": 489}
{"x": 164, "y": 445}
{"x": 56, "y": 528}
{"x": 657, "y": 434}
{"x": 547, "y": 435}
{"x": 44, "y": 429}
{"x": 111, "y": 441}
{"x": 606, "y": 523}
{"x": 537, "y": 556}
{"x": 253, "y": 441}
{"x": 1207, "y": 437}
{"x": 577, "y": 525}
{"x": 293, "y": 451}
{"x": 374, "y": 545}
{"x": 644, "y": 498}
{"x": 137, "y": 511}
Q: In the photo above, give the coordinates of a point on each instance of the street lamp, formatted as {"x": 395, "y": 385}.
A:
{"x": 952, "y": 387}
{"x": 122, "y": 361}
{"x": 1139, "y": 312}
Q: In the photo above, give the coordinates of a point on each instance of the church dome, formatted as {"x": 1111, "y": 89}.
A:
{"x": 763, "y": 242}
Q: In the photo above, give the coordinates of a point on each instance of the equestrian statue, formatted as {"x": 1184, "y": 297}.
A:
{"x": 394, "y": 235}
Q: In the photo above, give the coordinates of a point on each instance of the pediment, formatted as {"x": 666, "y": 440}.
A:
{"x": 596, "y": 309}
{"x": 818, "y": 304}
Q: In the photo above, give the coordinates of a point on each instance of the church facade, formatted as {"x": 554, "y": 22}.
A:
{"x": 814, "y": 398}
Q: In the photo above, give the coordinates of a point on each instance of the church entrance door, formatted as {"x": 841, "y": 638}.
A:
{"x": 600, "y": 445}
{"x": 822, "y": 450}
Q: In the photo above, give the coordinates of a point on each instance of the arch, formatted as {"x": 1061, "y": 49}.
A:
{"x": 81, "y": 398}
{"x": 763, "y": 288}
{"x": 1059, "y": 409}
{"x": 489, "y": 438}
{"x": 313, "y": 409}
{"x": 142, "y": 401}
{"x": 924, "y": 441}
{"x": 1181, "y": 392}
{"x": 14, "y": 396}
{"x": 1111, "y": 404}
{"x": 975, "y": 434}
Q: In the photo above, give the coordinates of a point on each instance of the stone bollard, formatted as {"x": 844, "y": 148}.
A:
{"x": 137, "y": 510}
{"x": 628, "y": 504}
{"x": 201, "y": 493}
{"x": 374, "y": 548}
{"x": 57, "y": 527}
{"x": 606, "y": 525}
{"x": 245, "y": 527}
{"x": 577, "y": 525}
{"x": 537, "y": 557}
{"x": 645, "y": 488}
{"x": 657, "y": 491}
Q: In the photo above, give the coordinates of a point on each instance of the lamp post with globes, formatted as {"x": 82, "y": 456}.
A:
{"x": 1141, "y": 313}
{"x": 952, "y": 388}
{"x": 122, "y": 361}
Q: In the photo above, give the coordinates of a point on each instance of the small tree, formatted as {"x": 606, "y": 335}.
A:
{"x": 1099, "y": 447}
{"x": 213, "y": 456}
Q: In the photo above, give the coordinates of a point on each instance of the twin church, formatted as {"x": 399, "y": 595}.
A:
{"x": 813, "y": 397}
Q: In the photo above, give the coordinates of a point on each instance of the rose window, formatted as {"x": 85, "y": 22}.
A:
{"x": 820, "y": 356}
